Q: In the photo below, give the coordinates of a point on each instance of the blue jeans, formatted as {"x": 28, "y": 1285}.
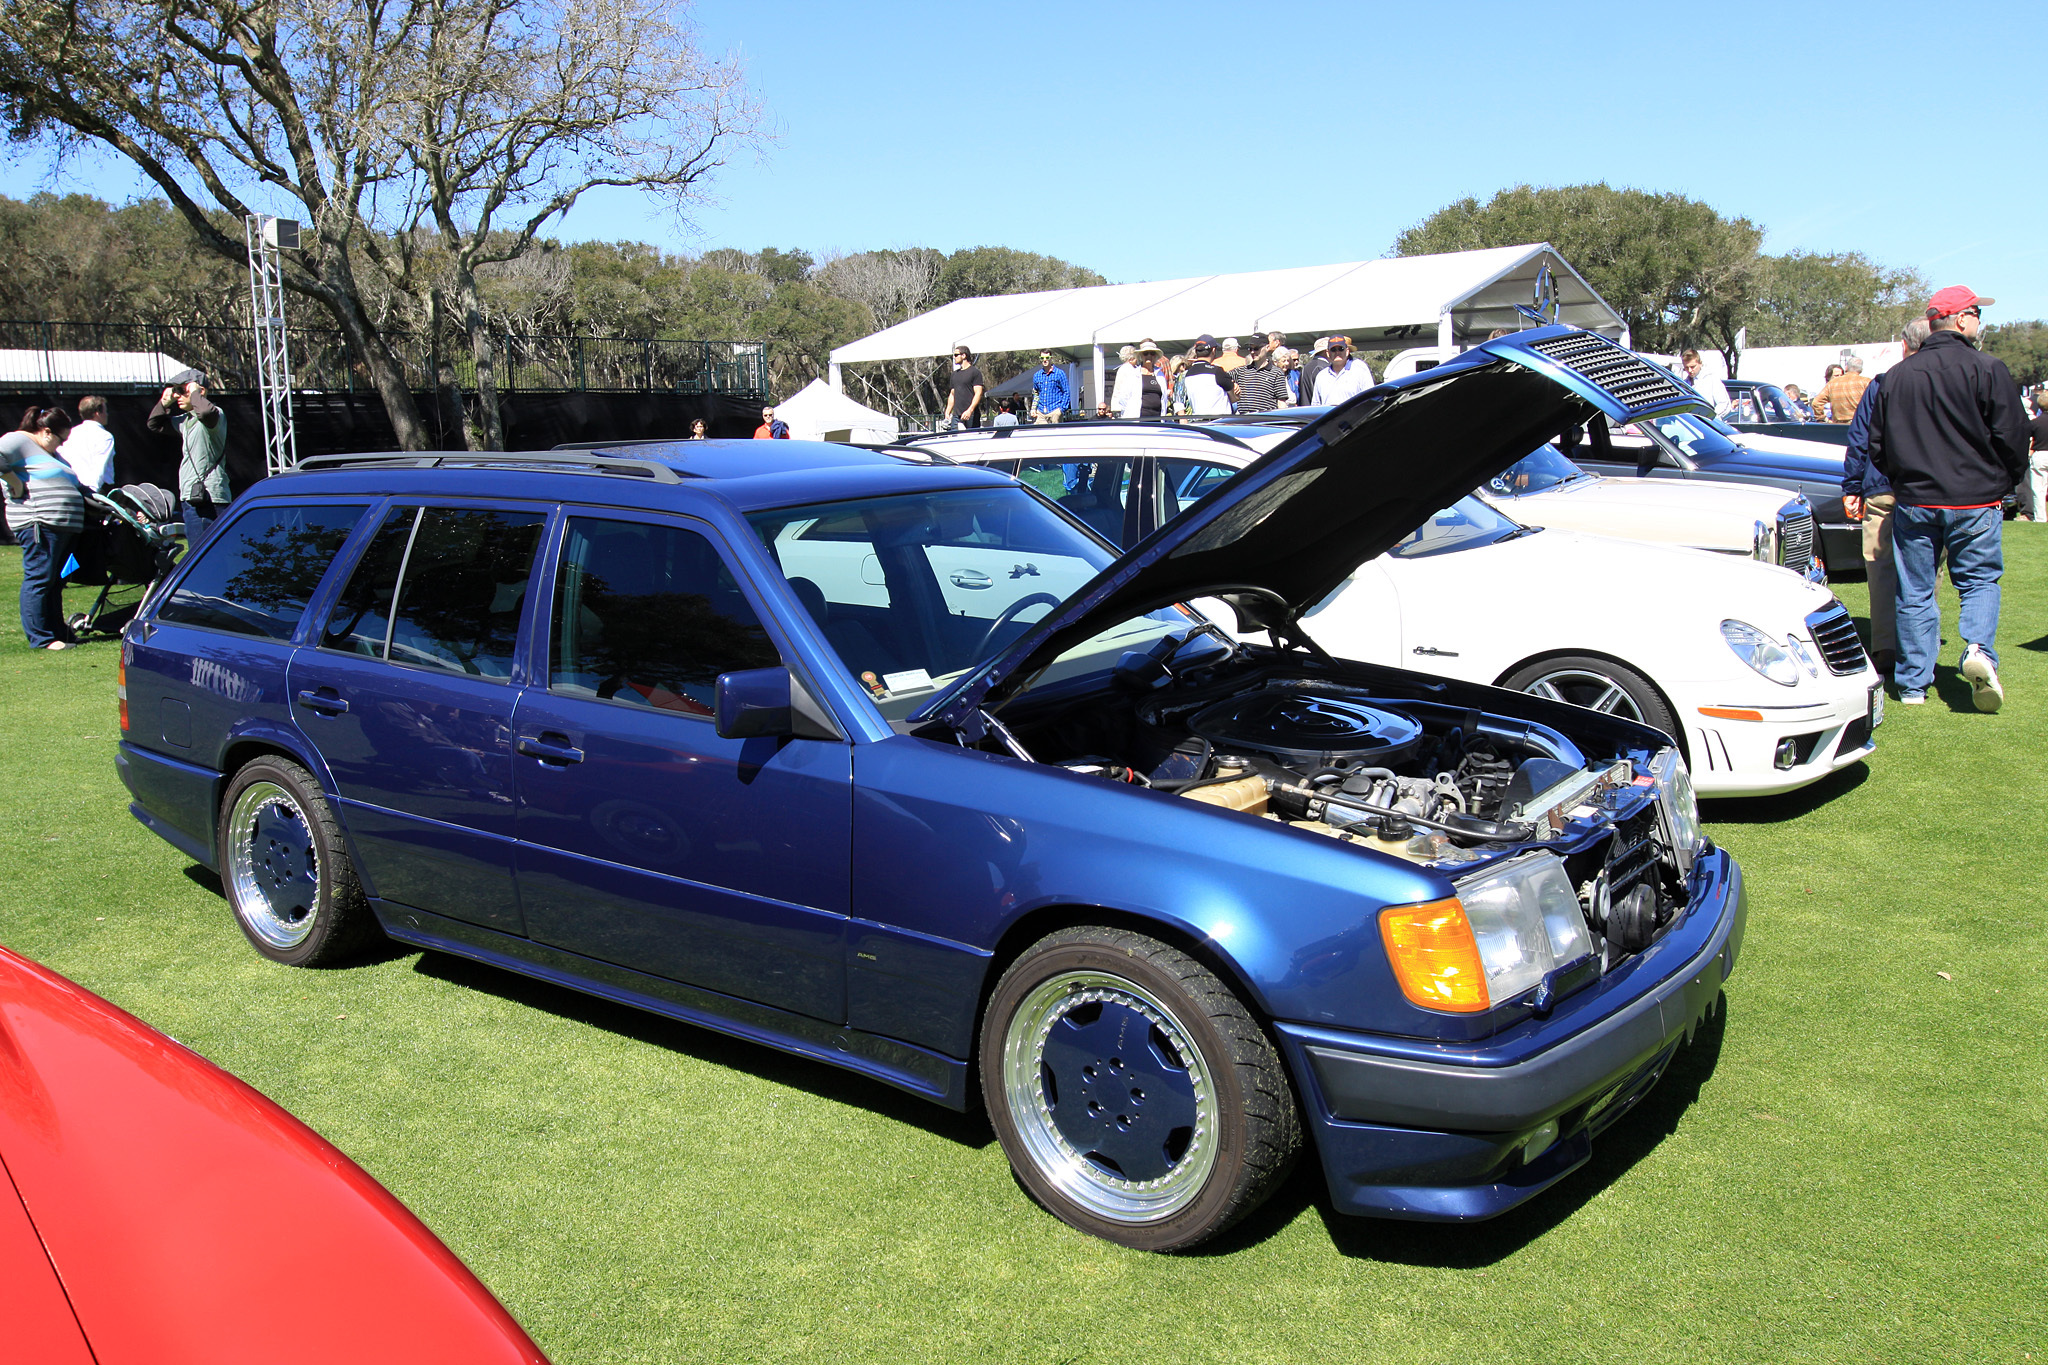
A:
{"x": 198, "y": 522}
{"x": 42, "y": 582}
{"x": 1976, "y": 560}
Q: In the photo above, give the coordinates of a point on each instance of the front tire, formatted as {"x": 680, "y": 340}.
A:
{"x": 1135, "y": 1096}
{"x": 1598, "y": 685}
{"x": 284, "y": 866}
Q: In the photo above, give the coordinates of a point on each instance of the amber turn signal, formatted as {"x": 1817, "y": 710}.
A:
{"x": 1731, "y": 713}
{"x": 1435, "y": 957}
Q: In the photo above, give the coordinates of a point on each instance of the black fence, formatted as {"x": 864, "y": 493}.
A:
{"x": 141, "y": 357}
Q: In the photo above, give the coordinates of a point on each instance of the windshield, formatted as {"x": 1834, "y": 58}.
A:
{"x": 1464, "y": 525}
{"x": 1692, "y": 434}
{"x": 1544, "y": 469}
{"x": 913, "y": 590}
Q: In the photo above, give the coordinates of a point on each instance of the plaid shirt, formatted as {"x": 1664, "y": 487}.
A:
{"x": 1842, "y": 395}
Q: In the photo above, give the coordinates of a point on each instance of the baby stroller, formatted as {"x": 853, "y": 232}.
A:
{"x": 132, "y": 537}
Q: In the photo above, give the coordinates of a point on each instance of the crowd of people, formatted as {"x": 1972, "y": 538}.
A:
{"x": 49, "y": 463}
{"x": 1210, "y": 379}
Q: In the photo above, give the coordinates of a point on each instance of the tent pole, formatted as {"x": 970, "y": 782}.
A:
{"x": 1446, "y": 337}
{"x": 1101, "y": 394}
{"x": 838, "y": 377}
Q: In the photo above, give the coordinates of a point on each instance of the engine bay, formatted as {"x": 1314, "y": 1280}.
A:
{"x": 1429, "y": 781}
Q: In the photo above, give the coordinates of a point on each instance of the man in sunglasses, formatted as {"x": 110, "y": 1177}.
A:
{"x": 1051, "y": 395}
{"x": 1948, "y": 430}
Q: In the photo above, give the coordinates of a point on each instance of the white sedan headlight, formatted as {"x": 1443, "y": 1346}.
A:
{"x": 1761, "y": 652}
{"x": 1678, "y": 809}
{"x": 1526, "y": 919}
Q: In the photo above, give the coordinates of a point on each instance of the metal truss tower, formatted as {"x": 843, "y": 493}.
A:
{"x": 268, "y": 238}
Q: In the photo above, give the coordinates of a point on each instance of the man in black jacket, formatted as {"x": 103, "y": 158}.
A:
{"x": 1948, "y": 431}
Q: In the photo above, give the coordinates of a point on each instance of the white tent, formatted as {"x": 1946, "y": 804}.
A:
{"x": 817, "y": 412}
{"x": 1454, "y": 299}
{"x": 80, "y": 368}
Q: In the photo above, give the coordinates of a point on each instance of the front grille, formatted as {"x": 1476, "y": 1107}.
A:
{"x": 1795, "y": 541}
{"x": 1836, "y": 635}
{"x": 1634, "y": 382}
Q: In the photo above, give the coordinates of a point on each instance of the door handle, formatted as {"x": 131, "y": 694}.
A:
{"x": 326, "y": 702}
{"x": 548, "y": 752}
{"x": 972, "y": 578}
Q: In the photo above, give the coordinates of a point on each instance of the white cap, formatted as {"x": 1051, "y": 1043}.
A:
{"x": 1322, "y": 344}
{"x": 1230, "y": 343}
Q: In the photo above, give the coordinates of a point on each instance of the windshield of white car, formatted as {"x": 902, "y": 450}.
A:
{"x": 1538, "y": 472}
{"x": 912, "y": 591}
{"x": 1465, "y": 525}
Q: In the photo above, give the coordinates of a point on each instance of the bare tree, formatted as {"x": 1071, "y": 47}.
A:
{"x": 374, "y": 117}
{"x": 517, "y": 108}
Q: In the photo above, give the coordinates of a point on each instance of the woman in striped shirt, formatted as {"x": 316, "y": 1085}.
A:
{"x": 46, "y": 508}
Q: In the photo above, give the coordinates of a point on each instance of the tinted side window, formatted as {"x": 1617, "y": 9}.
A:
{"x": 362, "y": 614}
{"x": 1093, "y": 490}
{"x": 464, "y": 575}
{"x": 465, "y": 578}
{"x": 649, "y": 615}
{"x": 255, "y": 576}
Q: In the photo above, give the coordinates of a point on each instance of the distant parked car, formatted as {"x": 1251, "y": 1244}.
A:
{"x": 1765, "y": 409}
{"x": 1548, "y": 488}
{"x": 155, "y": 1209}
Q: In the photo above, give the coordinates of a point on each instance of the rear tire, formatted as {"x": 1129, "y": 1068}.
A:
{"x": 284, "y": 866}
{"x": 1134, "y": 1094}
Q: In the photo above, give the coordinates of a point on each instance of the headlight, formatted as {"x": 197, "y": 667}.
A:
{"x": 1678, "y": 808}
{"x": 1505, "y": 931}
{"x": 1760, "y": 652}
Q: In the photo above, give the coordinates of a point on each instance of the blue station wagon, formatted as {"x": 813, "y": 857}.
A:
{"x": 893, "y": 763}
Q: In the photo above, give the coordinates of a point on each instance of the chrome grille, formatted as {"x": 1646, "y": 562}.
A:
{"x": 1634, "y": 382}
{"x": 1836, "y": 635}
{"x": 1795, "y": 540}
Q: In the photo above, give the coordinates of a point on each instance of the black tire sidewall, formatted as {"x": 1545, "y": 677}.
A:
{"x": 1123, "y": 955}
{"x": 323, "y": 941}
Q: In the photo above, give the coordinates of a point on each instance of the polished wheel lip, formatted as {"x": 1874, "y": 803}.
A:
{"x": 1611, "y": 699}
{"x": 252, "y": 902}
{"x": 1066, "y": 1169}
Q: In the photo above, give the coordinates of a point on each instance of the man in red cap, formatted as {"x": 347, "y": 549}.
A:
{"x": 1949, "y": 432}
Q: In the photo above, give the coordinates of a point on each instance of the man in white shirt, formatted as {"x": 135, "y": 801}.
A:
{"x": 1708, "y": 387}
{"x": 89, "y": 449}
{"x": 1345, "y": 378}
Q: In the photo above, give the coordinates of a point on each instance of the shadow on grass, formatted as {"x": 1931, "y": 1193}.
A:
{"x": 1771, "y": 810}
{"x": 703, "y": 1044}
{"x": 2039, "y": 646}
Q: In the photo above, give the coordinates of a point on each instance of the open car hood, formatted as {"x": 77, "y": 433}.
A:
{"x": 1287, "y": 529}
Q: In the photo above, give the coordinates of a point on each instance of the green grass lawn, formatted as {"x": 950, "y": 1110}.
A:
{"x": 1849, "y": 1165}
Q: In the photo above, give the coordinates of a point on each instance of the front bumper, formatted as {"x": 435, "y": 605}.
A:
{"x": 1452, "y": 1133}
{"x": 1730, "y": 756}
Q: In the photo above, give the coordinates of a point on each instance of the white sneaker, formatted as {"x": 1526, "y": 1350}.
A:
{"x": 1983, "y": 676}
{"x": 56, "y": 644}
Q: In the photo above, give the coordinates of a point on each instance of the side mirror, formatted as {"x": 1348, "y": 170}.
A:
{"x": 768, "y": 702}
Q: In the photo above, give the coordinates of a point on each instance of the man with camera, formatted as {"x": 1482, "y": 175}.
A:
{"x": 203, "y": 461}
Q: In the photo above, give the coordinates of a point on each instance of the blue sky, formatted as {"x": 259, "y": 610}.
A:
{"x": 1194, "y": 137}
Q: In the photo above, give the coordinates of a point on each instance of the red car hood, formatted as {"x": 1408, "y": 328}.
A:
{"x": 168, "y": 1213}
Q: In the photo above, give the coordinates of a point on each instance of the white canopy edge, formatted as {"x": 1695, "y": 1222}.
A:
{"x": 87, "y": 367}
{"x": 1454, "y": 298}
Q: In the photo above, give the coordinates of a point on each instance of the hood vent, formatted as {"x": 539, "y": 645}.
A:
{"x": 1628, "y": 378}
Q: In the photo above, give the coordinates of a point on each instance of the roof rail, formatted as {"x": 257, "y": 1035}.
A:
{"x": 537, "y": 461}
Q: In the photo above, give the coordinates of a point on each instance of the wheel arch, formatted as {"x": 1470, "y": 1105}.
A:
{"x": 1545, "y": 655}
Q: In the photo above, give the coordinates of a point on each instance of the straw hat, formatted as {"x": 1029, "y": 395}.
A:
{"x": 1149, "y": 347}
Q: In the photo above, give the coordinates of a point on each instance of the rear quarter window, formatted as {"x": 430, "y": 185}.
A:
{"x": 255, "y": 575}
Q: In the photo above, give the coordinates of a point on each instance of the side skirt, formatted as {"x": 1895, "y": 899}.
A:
{"x": 928, "y": 1075}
